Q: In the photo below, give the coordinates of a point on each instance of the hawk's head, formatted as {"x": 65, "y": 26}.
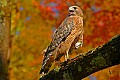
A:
{"x": 75, "y": 11}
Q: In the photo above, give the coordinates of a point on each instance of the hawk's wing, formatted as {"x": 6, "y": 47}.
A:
{"x": 60, "y": 34}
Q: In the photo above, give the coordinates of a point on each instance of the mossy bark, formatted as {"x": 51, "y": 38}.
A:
{"x": 5, "y": 14}
{"x": 83, "y": 65}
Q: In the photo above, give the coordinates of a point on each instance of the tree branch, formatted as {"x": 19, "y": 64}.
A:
{"x": 83, "y": 65}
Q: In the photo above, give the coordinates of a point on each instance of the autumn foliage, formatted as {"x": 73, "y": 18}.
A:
{"x": 34, "y": 21}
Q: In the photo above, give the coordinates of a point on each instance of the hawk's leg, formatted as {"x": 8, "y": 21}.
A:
{"x": 67, "y": 55}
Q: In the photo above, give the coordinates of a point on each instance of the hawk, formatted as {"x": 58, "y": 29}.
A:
{"x": 68, "y": 36}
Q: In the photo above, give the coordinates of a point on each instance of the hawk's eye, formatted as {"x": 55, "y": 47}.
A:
{"x": 74, "y": 7}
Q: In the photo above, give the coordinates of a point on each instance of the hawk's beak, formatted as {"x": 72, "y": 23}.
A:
{"x": 71, "y": 11}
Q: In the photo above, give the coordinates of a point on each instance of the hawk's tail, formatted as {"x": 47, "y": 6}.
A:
{"x": 47, "y": 63}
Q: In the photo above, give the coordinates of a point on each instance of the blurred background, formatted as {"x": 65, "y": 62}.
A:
{"x": 34, "y": 21}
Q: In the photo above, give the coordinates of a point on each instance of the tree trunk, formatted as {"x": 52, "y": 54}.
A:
{"x": 5, "y": 23}
{"x": 83, "y": 65}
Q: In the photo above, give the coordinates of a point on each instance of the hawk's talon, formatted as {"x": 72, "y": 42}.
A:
{"x": 69, "y": 59}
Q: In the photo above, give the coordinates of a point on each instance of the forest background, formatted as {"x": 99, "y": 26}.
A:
{"x": 34, "y": 21}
